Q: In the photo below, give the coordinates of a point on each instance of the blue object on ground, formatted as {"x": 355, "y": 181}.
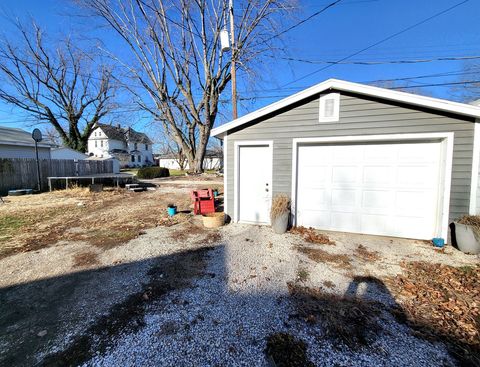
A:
{"x": 172, "y": 211}
{"x": 438, "y": 242}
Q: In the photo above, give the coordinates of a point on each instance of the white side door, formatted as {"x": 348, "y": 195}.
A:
{"x": 254, "y": 183}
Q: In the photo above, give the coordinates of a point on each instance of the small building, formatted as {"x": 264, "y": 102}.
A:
{"x": 213, "y": 160}
{"x": 67, "y": 153}
{"x": 17, "y": 143}
{"x": 355, "y": 158}
{"x": 130, "y": 147}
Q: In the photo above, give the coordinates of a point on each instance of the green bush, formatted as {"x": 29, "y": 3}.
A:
{"x": 153, "y": 172}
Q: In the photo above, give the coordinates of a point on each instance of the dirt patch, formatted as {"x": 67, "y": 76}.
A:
{"x": 169, "y": 273}
{"x": 87, "y": 258}
{"x": 367, "y": 255}
{"x": 105, "y": 219}
{"x": 287, "y": 351}
{"x": 350, "y": 320}
{"x": 312, "y": 236}
{"x": 441, "y": 302}
{"x": 321, "y": 256}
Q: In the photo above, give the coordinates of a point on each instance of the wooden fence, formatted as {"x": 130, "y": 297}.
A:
{"x": 21, "y": 173}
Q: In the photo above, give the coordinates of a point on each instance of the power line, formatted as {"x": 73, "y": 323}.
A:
{"x": 423, "y": 76}
{"x": 380, "y": 62}
{"x": 381, "y": 41}
{"x": 400, "y": 87}
{"x": 304, "y": 20}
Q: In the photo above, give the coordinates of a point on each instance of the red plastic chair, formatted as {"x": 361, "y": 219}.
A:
{"x": 203, "y": 201}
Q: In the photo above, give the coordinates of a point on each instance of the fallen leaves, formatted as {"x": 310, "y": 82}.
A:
{"x": 312, "y": 236}
{"x": 442, "y": 301}
{"x": 367, "y": 255}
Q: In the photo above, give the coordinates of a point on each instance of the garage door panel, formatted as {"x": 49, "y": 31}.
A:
{"x": 377, "y": 202}
{"x": 379, "y": 154}
{"x": 419, "y": 152}
{"x": 342, "y": 221}
{"x": 375, "y": 224}
{"x": 344, "y": 198}
{"x": 417, "y": 176}
{"x": 313, "y": 199}
{"x": 411, "y": 202}
{"x": 313, "y": 176}
{"x": 315, "y": 218}
{"x": 382, "y": 188}
{"x": 377, "y": 175}
{"x": 345, "y": 154}
{"x": 344, "y": 175}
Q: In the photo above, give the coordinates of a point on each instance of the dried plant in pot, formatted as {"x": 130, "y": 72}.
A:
{"x": 467, "y": 234}
{"x": 280, "y": 213}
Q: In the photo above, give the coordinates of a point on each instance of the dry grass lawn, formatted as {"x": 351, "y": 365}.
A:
{"x": 105, "y": 219}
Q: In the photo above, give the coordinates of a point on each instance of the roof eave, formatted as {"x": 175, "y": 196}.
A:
{"x": 341, "y": 85}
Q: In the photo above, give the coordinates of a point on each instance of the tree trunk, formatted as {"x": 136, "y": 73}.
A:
{"x": 197, "y": 165}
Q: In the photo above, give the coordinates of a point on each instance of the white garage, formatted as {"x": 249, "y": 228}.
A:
{"x": 383, "y": 188}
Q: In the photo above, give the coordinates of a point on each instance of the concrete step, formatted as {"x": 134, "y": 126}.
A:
{"x": 129, "y": 186}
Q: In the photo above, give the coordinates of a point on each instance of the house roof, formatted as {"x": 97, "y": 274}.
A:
{"x": 118, "y": 133}
{"x": 361, "y": 89}
{"x": 62, "y": 148}
{"x": 14, "y": 136}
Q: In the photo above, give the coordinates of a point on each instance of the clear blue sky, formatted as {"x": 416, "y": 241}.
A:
{"x": 338, "y": 32}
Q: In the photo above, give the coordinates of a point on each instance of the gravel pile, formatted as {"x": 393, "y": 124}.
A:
{"x": 226, "y": 316}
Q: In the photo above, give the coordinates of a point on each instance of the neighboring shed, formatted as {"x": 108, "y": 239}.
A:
{"x": 355, "y": 158}
{"x": 17, "y": 143}
{"x": 67, "y": 153}
{"x": 213, "y": 160}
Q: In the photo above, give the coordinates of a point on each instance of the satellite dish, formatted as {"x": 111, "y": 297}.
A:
{"x": 37, "y": 135}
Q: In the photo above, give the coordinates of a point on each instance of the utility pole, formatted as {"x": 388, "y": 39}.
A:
{"x": 234, "y": 67}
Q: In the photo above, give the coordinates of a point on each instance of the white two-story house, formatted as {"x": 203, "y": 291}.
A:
{"x": 130, "y": 147}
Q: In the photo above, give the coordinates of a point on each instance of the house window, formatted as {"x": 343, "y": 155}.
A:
{"x": 135, "y": 146}
{"x": 139, "y": 158}
{"x": 95, "y": 143}
{"x": 329, "y": 110}
{"x": 101, "y": 143}
{"x": 146, "y": 146}
{"x": 133, "y": 158}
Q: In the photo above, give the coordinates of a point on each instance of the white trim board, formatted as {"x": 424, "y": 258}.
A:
{"x": 447, "y": 138}
{"x": 236, "y": 176}
{"x": 475, "y": 167}
{"x": 361, "y": 89}
{"x": 225, "y": 174}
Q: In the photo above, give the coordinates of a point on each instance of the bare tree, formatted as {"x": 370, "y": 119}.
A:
{"x": 171, "y": 148}
{"x": 55, "y": 85}
{"x": 179, "y": 65}
{"x": 469, "y": 89}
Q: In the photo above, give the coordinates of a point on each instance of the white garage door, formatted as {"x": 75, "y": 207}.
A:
{"x": 386, "y": 189}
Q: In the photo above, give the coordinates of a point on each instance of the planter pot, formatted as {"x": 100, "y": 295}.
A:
{"x": 280, "y": 223}
{"x": 172, "y": 210}
{"x": 215, "y": 193}
{"x": 466, "y": 240}
{"x": 213, "y": 220}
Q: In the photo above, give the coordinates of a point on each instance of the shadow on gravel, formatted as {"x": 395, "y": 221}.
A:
{"x": 352, "y": 319}
{"x": 93, "y": 306}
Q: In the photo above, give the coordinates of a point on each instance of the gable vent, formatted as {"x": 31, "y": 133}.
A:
{"x": 329, "y": 107}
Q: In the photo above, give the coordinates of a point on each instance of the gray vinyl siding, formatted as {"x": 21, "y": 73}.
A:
{"x": 22, "y": 151}
{"x": 358, "y": 116}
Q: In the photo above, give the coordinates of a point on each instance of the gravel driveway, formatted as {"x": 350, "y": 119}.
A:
{"x": 225, "y": 317}
{"x": 186, "y": 296}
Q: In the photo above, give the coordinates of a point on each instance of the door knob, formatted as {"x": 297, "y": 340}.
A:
{"x": 266, "y": 190}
